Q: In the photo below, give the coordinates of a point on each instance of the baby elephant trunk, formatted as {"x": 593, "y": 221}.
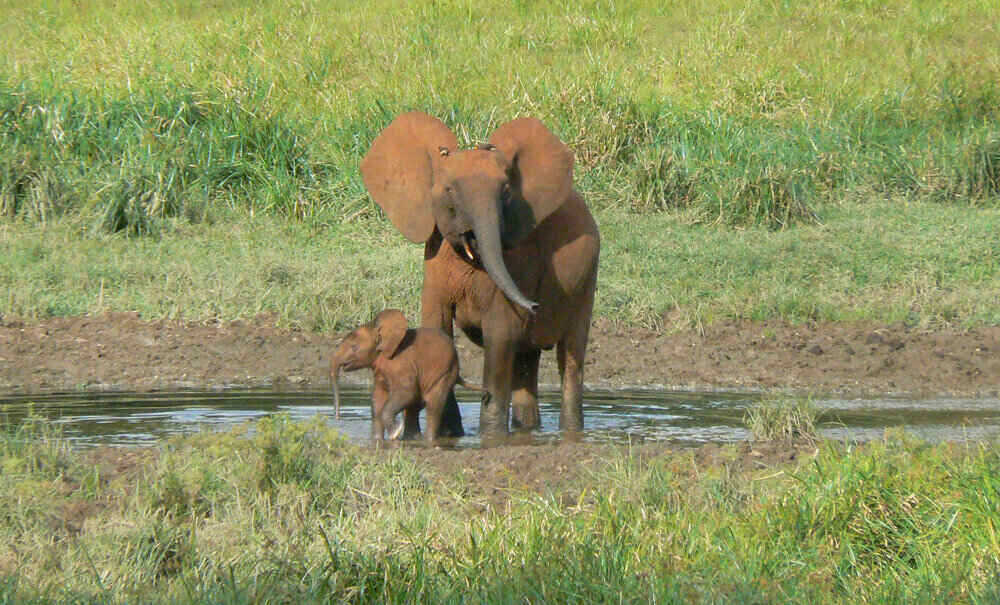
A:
{"x": 335, "y": 384}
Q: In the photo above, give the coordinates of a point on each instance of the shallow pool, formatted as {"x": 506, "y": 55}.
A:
{"x": 685, "y": 418}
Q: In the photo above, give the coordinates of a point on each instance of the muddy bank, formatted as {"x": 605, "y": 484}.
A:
{"x": 123, "y": 351}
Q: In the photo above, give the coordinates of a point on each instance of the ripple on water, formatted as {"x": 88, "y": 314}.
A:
{"x": 685, "y": 418}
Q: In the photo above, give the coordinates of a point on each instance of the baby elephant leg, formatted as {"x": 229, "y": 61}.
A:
{"x": 435, "y": 401}
{"x": 410, "y": 427}
{"x": 396, "y": 402}
{"x": 379, "y": 397}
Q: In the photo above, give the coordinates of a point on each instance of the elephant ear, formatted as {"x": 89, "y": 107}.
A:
{"x": 390, "y": 326}
{"x": 541, "y": 174}
{"x": 398, "y": 171}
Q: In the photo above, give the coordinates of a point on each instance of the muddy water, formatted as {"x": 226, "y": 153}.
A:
{"x": 685, "y": 418}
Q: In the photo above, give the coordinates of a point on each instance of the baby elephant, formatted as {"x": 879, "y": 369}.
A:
{"x": 413, "y": 368}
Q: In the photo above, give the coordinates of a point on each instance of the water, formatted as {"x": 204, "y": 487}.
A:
{"x": 684, "y": 418}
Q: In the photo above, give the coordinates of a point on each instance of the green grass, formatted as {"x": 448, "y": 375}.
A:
{"x": 315, "y": 277}
{"x": 915, "y": 262}
{"x": 836, "y": 161}
{"x": 289, "y": 511}
{"x": 783, "y": 418}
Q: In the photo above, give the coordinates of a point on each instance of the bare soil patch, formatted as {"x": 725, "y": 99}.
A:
{"x": 124, "y": 352}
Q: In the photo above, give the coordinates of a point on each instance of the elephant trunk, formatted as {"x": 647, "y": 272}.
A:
{"x": 491, "y": 254}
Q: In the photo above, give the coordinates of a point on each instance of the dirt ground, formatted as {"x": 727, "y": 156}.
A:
{"x": 121, "y": 351}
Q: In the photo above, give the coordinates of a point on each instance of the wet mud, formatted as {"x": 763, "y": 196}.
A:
{"x": 122, "y": 351}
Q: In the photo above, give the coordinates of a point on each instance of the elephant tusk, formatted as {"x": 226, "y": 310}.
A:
{"x": 396, "y": 432}
{"x": 468, "y": 251}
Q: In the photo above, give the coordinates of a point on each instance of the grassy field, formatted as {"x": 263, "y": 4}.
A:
{"x": 918, "y": 262}
{"x": 289, "y": 512}
{"x": 836, "y": 161}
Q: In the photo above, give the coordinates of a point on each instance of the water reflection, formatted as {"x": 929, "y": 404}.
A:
{"x": 684, "y": 418}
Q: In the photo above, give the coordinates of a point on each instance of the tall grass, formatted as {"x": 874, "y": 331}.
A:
{"x": 132, "y": 163}
{"x": 749, "y": 116}
{"x": 731, "y": 152}
{"x": 287, "y": 511}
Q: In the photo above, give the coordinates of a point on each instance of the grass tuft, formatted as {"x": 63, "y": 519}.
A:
{"x": 661, "y": 181}
{"x": 775, "y": 197}
{"x": 983, "y": 175}
{"x": 781, "y": 418}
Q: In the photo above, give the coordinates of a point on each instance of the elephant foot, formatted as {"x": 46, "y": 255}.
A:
{"x": 492, "y": 419}
{"x": 451, "y": 419}
{"x": 397, "y": 431}
{"x": 526, "y": 417}
{"x": 406, "y": 434}
{"x": 451, "y": 427}
{"x": 452, "y": 431}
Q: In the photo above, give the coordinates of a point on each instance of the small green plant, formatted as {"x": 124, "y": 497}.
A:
{"x": 288, "y": 451}
{"x": 777, "y": 418}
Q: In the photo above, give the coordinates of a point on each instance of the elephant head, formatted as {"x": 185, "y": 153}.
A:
{"x": 483, "y": 200}
{"x": 363, "y": 346}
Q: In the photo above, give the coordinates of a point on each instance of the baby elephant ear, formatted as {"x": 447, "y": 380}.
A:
{"x": 398, "y": 171}
{"x": 390, "y": 325}
{"x": 542, "y": 172}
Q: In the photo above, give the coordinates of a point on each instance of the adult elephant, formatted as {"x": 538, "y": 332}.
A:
{"x": 510, "y": 254}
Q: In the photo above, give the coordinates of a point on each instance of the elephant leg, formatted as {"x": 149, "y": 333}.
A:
{"x": 571, "y": 375}
{"x": 434, "y": 419}
{"x": 434, "y": 401}
{"x": 494, "y": 412}
{"x": 396, "y": 402}
{"x": 434, "y": 315}
{"x": 451, "y": 418}
{"x": 571, "y": 352}
{"x": 411, "y": 420}
{"x": 524, "y": 395}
